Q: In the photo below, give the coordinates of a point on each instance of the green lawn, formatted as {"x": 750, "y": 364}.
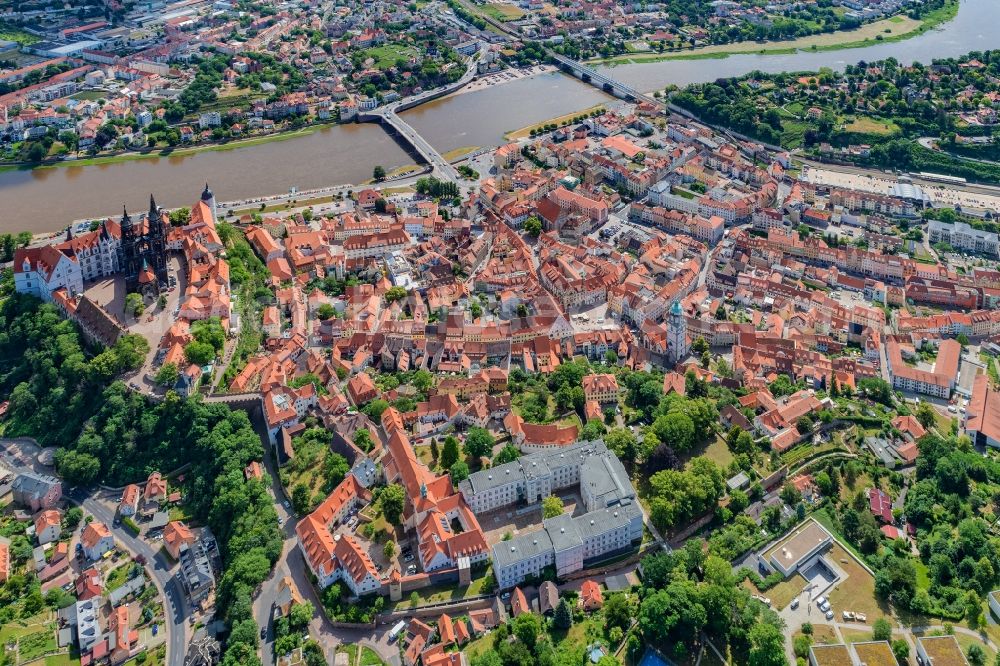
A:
{"x": 351, "y": 651}
{"x": 12, "y": 33}
{"x": 67, "y": 659}
{"x": 180, "y": 512}
{"x": 386, "y": 55}
{"x": 370, "y": 658}
{"x": 719, "y": 453}
{"x": 90, "y": 95}
{"x": 34, "y": 645}
{"x": 502, "y": 12}
{"x": 118, "y": 577}
{"x": 438, "y": 593}
{"x": 17, "y": 628}
{"x": 866, "y": 125}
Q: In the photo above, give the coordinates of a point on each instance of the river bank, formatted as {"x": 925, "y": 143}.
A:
{"x": 525, "y": 132}
{"x": 504, "y": 77}
{"x": 177, "y": 151}
{"x": 888, "y": 30}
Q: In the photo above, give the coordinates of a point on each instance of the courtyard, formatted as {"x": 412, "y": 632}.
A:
{"x": 512, "y": 520}
{"x": 155, "y": 321}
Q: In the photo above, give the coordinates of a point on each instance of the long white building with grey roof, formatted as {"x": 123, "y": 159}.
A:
{"x": 612, "y": 522}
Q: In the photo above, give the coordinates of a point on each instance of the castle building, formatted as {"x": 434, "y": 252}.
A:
{"x": 40, "y": 271}
{"x": 144, "y": 251}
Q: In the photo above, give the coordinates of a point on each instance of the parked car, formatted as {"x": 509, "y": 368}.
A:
{"x": 820, "y": 601}
{"x": 794, "y": 604}
{"x": 263, "y": 633}
{"x": 829, "y": 615}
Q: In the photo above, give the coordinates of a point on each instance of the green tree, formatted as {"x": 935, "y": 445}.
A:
{"x": 675, "y": 429}
{"x": 180, "y": 217}
{"x": 823, "y": 483}
{"x": 211, "y": 332}
{"x": 199, "y": 353}
{"x": 624, "y": 444}
{"x": 375, "y": 408}
{"x": 526, "y": 627}
{"x": 766, "y": 645}
{"x": 562, "y": 618}
{"x": 422, "y": 380}
{"x": 167, "y": 374}
{"x": 901, "y": 650}
{"x": 552, "y": 506}
{"x": 301, "y": 499}
{"x": 509, "y": 453}
{"x": 392, "y": 501}
{"x": 395, "y": 294}
{"x": 478, "y": 442}
{"x": 618, "y": 612}
{"x": 363, "y": 440}
{"x": 300, "y": 615}
{"x": 876, "y": 389}
{"x": 789, "y": 495}
{"x": 378, "y": 173}
{"x": 976, "y": 655}
{"x": 926, "y": 415}
{"x": 73, "y": 517}
{"x": 800, "y": 646}
{"x": 459, "y": 471}
{"x": 326, "y": 311}
{"x": 134, "y": 304}
{"x": 78, "y": 469}
{"x": 699, "y": 346}
{"x": 593, "y": 430}
{"x": 313, "y": 653}
{"x": 450, "y": 452}
{"x": 881, "y": 630}
{"x": 533, "y": 226}
{"x": 389, "y": 549}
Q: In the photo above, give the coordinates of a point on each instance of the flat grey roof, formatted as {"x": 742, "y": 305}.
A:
{"x": 605, "y": 520}
{"x": 605, "y": 477}
{"x": 799, "y": 543}
{"x": 521, "y": 547}
{"x": 562, "y": 532}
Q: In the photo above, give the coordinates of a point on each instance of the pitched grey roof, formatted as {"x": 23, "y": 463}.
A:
{"x": 35, "y": 485}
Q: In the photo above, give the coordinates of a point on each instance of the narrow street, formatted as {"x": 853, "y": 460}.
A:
{"x": 175, "y": 610}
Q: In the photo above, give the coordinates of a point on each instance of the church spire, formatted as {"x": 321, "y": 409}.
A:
{"x": 153, "y": 210}
{"x": 126, "y": 220}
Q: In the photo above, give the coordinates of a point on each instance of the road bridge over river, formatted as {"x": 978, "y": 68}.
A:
{"x": 388, "y": 115}
{"x": 574, "y": 67}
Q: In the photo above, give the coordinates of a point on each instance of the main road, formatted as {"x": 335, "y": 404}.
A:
{"x": 388, "y": 115}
